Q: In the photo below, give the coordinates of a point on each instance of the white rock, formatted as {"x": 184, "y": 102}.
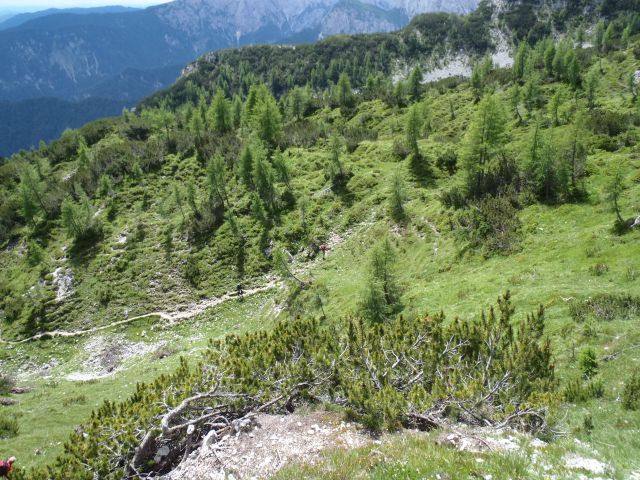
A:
{"x": 163, "y": 451}
{"x": 576, "y": 462}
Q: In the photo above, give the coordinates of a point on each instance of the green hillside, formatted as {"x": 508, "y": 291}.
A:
{"x": 351, "y": 213}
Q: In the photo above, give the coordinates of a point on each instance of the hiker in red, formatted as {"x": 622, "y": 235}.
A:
{"x": 5, "y": 467}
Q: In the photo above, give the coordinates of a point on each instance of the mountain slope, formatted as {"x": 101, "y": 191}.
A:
{"x": 374, "y": 207}
{"x": 124, "y": 56}
{"x": 66, "y": 55}
{"x": 19, "y": 19}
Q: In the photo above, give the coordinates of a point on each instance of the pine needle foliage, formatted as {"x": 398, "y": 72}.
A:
{"x": 412, "y": 372}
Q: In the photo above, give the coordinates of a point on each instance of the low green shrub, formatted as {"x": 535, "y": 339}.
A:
{"x": 408, "y": 372}
{"x": 631, "y": 393}
{"x": 605, "y": 307}
{"x": 598, "y": 269}
{"x": 6, "y": 384}
{"x": 9, "y": 427}
{"x": 577, "y": 391}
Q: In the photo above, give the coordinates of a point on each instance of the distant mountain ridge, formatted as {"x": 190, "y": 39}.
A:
{"x": 67, "y": 55}
{"x": 124, "y": 56}
{"x": 11, "y": 21}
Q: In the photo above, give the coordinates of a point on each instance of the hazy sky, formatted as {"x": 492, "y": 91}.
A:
{"x": 32, "y": 5}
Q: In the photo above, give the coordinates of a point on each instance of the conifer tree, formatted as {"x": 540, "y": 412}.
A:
{"x": 263, "y": 180}
{"x": 477, "y": 84}
{"x": 549, "y": 55}
{"x": 335, "y": 171}
{"x": 580, "y": 35}
{"x": 412, "y": 130}
{"x": 483, "y": 145}
{"x": 542, "y": 173}
{"x": 78, "y": 218}
{"x": 515, "y": 98}
{"x": 576, "y": 154}
{"x": 344, "y": 92}
{"x": 269, "y": 121}
{"x": 397, "y": 198}
{"x": 216, "y": 174}
{"x": 626, "y": 34}
{"x": 382, "y": 293}
{"x": 259, "y": 212}
{"x": 219, "y": 114}
{"x": 614, "y": 193}
{"x": 415, "y": 84}
{"x": 236, "y": 112}
{"x": 246, "y": 166}
{"x": 591, "y": 85}
{"x": 572, "y": 69}
{"x": 250, "y": 103}
{"x": 532, "y": 92}
{"x": 520, "y": 60}
{"x": 297, "y": 103}
{"x": 554, "y": 107}
{"x": 33, "y": 194}
{"x": 607, "y": 39}
{"x": 599, "y": 36}
{"x": 282, "y": 168}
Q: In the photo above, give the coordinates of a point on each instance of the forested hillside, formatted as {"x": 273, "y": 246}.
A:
{"x": 318, "y": 228}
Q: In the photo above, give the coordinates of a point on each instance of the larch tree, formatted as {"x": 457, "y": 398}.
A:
{"x": 483, "y": 146}
{"x": 219, "y": 113}
{"x": 216, "y": 174}
{"x": 344, "y": 92}
{"x": 269, "y": 122}
{"x": 412, "y": 130}
{"x": 415, "y": 84}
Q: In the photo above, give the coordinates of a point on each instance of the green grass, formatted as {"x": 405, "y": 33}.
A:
{"x": 415, "y": 456}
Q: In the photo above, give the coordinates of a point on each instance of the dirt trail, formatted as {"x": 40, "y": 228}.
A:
{"x": 173, "y": 316}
